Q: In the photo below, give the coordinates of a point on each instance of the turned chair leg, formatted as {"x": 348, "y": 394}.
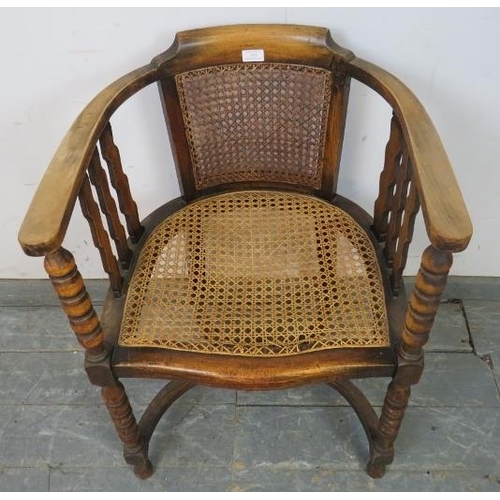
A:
{"x": 135, "y": 447}
{"x": 382, "y": 451}
{"x": 422, "y": 309}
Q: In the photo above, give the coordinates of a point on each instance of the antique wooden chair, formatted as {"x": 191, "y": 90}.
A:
{"x": 260, "y": 276}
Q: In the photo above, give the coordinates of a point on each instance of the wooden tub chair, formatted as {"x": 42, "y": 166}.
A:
{"x": 260, "y": 276}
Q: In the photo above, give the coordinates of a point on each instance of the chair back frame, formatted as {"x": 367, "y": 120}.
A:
{"x": 288, "y": 50}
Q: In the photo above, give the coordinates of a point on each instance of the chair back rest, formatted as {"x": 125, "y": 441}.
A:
{"x": 255, "y": 105}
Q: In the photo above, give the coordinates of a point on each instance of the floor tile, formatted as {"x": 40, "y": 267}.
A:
{"x": 449, "y": 438}
{"x": 308, "y": 438}
{"x": 299, "y": 438}
{"x": 41, "y": 293}
{"x": 347, "y": 480}
{"x": 27, "y": 292}
{"x": 45, "y": 378}
{"x": 34, "y": 436}
{"x": 473, "y": 288}
{"x": 449, "y": 332}
{"x": 84, "y": 436}
{"x": 197, "y": 435}
{"x": 35, "y": 329}
{"x": 484, "y": 324}
{"x": 186, "y": 478}
{"x": 465, "y": 287}
{"x": 455, "y": 379}
{"x": 24, "y": 479}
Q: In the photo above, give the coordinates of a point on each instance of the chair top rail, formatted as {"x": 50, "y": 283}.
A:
{"x": 292, "y": 44}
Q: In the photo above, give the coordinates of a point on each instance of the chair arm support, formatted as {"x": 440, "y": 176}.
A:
{"x": 46, "y": 221}
{"x": 446, "y": 218}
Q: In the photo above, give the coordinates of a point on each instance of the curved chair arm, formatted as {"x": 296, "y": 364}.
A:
{"x": 446, "y": 218}
{"x": 46, "y": 221}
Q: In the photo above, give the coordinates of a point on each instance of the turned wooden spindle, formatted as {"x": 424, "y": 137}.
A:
{"x": 393, "y": 156}
{"x": 91, "y": 212}
{"x": 135, "y": 447}
{"x": 411, "y": 208}
{"x": 99, "y": 179}
{"x": 119, "y": 181}
{"x": 395, "y": 403}
{"x": 68, "y": 284}
{"x": 396, "y": 206}
{"x": 424, "y": 302}
{"x": 119, "y": 408}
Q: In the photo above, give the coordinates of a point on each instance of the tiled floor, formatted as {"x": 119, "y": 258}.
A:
{"x": 56, "y": 435}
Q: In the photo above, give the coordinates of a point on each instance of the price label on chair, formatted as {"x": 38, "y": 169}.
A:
{"x": 252, "y": 55}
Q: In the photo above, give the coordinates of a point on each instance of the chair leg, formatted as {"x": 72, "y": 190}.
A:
{"x": 382, "y": 452}
{"x": 135, "y": 447}
{"x": 419, "y": 318}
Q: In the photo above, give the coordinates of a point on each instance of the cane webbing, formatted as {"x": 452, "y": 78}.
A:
{"x": 255, "y": 122}
{"x": 256, "y": 273}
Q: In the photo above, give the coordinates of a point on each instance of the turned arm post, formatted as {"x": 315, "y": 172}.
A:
{"x": 424, "y": 302}
{"x": 69, "y": 287}
{"x": 420, "y": 314}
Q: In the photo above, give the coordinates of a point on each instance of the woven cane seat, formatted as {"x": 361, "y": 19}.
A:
{"x": 256, "y": 273}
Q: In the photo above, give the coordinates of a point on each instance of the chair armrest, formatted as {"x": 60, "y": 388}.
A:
{"x": 47, "y": 219}
{"x": 446, "y": 218}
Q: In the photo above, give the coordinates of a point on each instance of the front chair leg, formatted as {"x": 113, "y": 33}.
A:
{"x": 382, "y": 452}
{"x": 135, "y": 447}
{"x": 422, "y": 309}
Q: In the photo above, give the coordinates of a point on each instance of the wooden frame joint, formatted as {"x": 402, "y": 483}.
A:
{"x": 99, "y": 370}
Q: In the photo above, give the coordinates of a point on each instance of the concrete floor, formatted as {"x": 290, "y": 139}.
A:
{"x": 55, "y": 434}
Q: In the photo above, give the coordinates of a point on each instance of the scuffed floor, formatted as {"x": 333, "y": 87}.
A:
{"x": 55, "y": 434}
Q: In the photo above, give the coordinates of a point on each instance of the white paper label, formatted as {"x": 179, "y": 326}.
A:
{"x": 252, "y": 55}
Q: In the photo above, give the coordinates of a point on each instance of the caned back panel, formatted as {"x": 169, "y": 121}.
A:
{"x": 256, "y": 122}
